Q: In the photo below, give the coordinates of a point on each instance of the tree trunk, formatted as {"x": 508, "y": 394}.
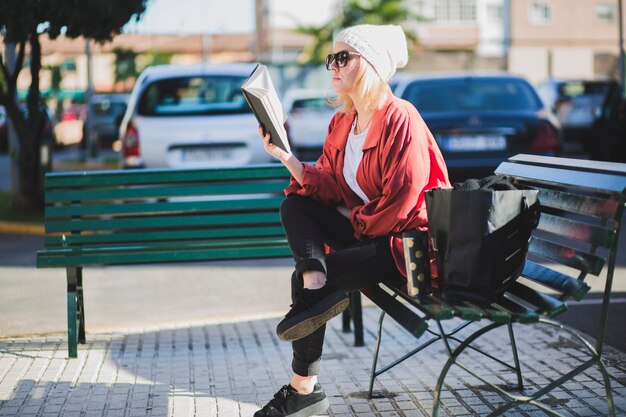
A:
{"x": 30, "y": 193}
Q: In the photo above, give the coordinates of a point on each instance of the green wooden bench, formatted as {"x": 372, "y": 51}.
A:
{"x": 582, "y": 206}
{"x": 156, "y": 216}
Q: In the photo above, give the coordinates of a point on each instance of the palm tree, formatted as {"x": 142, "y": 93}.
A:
{"x": 353, "y": 12}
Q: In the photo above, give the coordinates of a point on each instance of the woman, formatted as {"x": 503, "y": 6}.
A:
{"x": 366, "y": 188}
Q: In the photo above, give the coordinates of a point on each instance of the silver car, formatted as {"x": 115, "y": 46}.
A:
{"x": 190, "y": 116}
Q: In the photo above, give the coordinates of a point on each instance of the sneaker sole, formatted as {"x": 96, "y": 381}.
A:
{"x": 313, "y": 409}
{"x": 307, "y": 326}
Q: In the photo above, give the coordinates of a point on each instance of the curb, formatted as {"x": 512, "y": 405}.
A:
{"x": 22, "y": 228}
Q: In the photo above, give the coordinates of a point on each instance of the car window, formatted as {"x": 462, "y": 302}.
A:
{"x": 310, "y": 103}
{"x": 472, "y": 94}
{"x": 582, "y": 88}
{"x": 106, "y": 107}
{"x": 188, "y": 96}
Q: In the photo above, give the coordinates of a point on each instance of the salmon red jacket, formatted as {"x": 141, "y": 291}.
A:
{"x": 401, "y": 160}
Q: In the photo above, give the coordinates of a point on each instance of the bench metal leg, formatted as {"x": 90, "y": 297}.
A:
{"x": 354, "y": 313}
{"x": 72, "y": 311}
{"x": 379, "y": 333}
{"x": 81, "y": 306}
{"x": 518, "y": 368}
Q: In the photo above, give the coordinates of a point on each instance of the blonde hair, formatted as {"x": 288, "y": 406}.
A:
{"x": 371, "y": 89}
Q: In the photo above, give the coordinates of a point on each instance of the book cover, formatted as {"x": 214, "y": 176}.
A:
{"x": 262, "y": 98}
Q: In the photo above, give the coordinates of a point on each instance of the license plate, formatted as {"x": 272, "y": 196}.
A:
{"x": 473, "y": 143}
{"x": 208, "y": 154}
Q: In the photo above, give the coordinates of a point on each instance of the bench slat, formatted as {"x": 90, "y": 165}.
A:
{"x": 177, "y": 235}
{"x": 577, "y": 230}
{"x": 544, "y": 303}
{"x": 488, "y": 311}
{"x": 159, "y": 176}
{"x": 576, "y": 164}
{"x": 168, "y": 246}
{"x": 592, "y": 181}
{"x": 466, "y": 313}
{"x": 568, "y": 286}
{"x": 165, "y": 191}
{"x": 147, "y": 207}
{"x": 520, "y": 313}
{"x": 163, "y": 222}
{"x": 45, "y": 259}
{"x": 578, "y": 203}
{"x": 565, "y": 255}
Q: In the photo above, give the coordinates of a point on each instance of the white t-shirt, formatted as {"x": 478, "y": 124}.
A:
{"x": 352, "y": 159}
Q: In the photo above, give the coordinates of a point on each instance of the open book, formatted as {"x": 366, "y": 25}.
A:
{"x": 263, "y": 100}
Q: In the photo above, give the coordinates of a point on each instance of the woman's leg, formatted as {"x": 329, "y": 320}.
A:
{"x": 308, "y": 226}
{"x": 358, "y": 266}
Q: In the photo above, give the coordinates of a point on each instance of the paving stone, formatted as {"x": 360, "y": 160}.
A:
{"x": 231, "y": 369}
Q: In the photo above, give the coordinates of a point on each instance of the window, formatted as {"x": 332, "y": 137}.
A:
{"x": 495, "y": 13}
{"x": 540, "y": 13}
{"x": 605, "y": 12}
{"x": 455, "y": 10}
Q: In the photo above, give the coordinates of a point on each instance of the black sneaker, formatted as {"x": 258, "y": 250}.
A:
{"x": 288, "y": 402}
{"x": 311, "y": 310}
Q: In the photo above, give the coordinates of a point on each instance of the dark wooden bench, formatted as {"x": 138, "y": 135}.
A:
{"x": 582, "y": 204}
{"x": 157, "y": 216}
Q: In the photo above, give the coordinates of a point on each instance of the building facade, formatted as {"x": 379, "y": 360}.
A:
{"x": 564, "y": 39}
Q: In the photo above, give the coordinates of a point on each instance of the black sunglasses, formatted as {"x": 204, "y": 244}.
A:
{"x": 340, "y": 58}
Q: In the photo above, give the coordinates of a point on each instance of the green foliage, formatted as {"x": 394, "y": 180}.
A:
{"x": 125, "y": 64}
{"x": 22, "y": 22}
{"x": 353, "y": 13}
{"x": 56, "y": 77}
{"x": 97, "y": 19}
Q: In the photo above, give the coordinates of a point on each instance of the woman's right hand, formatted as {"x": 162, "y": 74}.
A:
{"x": 272, "y": 149}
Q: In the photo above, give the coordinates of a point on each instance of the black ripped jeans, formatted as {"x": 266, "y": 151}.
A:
{"x": 354, "y": 264}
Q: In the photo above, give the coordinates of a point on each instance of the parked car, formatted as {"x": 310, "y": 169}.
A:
{"x": 308, "y": 115}
{"x": 479, "y": 120}
{"x": 47, "y": 134}
{"x": 4, "y": 130}
{"x": 69, "y": 128}
{"x": 609, "y": 129}
{"x": 107, "y": 111}
{"x": 190, "y": 116}
{"x": 576, "y": 104}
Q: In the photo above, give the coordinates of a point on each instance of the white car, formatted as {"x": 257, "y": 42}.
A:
{"x": 190, "y": 117}
{"x": 308, "y": 115}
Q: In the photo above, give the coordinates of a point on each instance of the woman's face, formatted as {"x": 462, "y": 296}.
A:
{"x": 343, "y": 78}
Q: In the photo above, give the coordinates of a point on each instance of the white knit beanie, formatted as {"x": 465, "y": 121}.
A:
{"x": 383, "y": 46}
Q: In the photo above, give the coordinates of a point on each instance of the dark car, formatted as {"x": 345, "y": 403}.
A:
{"x": 46, "y": 127}
{"x": 4, "y": 134}
{"x": 107, "y": 111}
{"x": 576, "y": 104}
{"x": 480, "y": 120}
{"x": 609, "y": 129}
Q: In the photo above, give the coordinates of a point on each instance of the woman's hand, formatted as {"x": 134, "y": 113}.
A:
{"x": 272, "y": 149}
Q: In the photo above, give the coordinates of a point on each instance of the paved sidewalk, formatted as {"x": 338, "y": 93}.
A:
{"x": 229, "y": 369}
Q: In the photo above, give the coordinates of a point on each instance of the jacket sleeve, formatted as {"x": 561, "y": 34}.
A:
{"x": 405, "y": 167}
{"x": 319, "y": 181}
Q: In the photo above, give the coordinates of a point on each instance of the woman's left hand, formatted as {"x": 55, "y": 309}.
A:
{"x": 272, "y": 149}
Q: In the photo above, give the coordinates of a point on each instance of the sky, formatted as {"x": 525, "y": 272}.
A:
{"x": 230, "y": 16}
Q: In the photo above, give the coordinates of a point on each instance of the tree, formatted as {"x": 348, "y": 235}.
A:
{"x": 22, "y": 22}
{"x": 354, "y": 12}
{"x": 125, "y": 65}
